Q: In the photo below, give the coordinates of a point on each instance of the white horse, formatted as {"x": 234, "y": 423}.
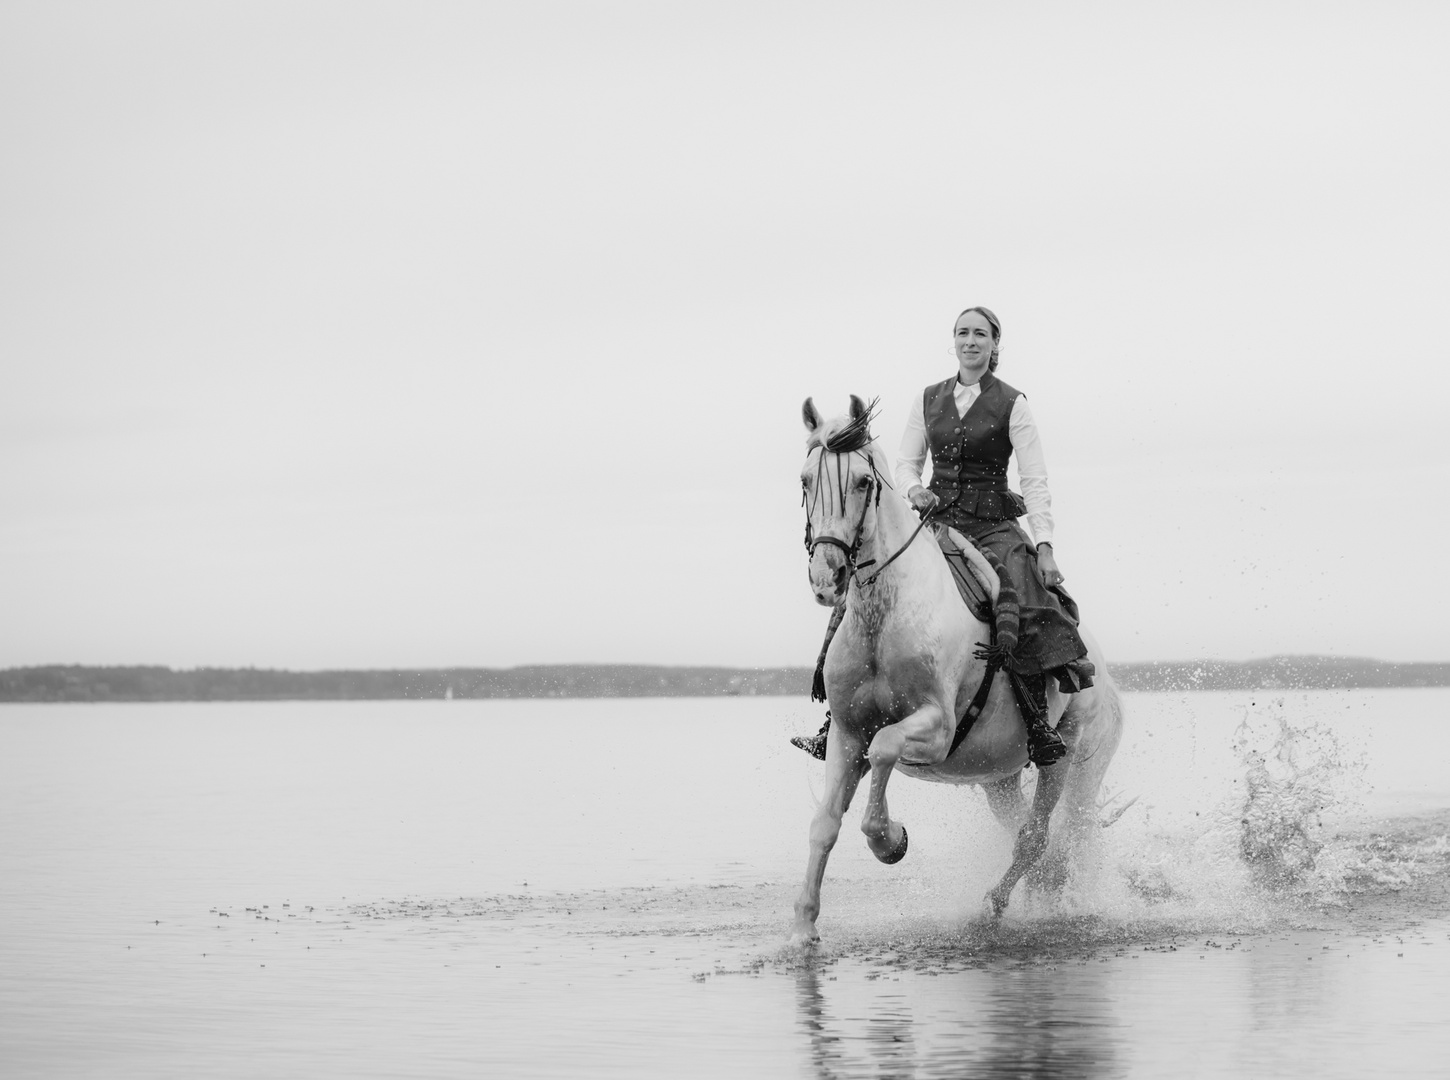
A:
{"x": 902, "y": 670}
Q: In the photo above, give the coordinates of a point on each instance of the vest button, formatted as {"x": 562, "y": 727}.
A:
{"x": 956, "y": 431}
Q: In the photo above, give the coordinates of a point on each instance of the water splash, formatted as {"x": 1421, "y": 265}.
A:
{"x": 1295, "y": 773}
{"x": 1252, "y": 846}
{"x": 1287, "y": 845}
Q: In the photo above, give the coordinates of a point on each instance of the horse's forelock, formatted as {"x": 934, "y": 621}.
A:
{"x": 826, "y": 432}
{"x": 870, "y": 456}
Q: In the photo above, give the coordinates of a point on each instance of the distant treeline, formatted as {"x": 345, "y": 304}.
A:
{"x": 76, "y": 683}
{"x": 57, "y": 683}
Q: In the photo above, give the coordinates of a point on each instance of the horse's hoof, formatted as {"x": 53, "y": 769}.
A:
{"x": 896, "y": 854}
{"x": 993, "y": 905}
{"x": 804, "y": 939}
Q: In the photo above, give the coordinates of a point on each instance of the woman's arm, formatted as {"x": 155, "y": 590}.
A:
{"x": 911, "y": 458}
{"x": 1032, "y": 470}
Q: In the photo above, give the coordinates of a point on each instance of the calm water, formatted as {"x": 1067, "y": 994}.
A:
{"x": 542, "y": 888}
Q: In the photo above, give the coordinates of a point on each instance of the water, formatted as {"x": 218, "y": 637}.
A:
{"x": 559, "y": 888}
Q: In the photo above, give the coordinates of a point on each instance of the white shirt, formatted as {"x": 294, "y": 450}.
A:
{"x": 1026, "y": 444}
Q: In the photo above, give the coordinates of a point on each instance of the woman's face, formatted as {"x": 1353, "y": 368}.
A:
{"x": 973, "y": 342}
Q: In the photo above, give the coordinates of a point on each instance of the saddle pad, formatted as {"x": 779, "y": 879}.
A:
{"x": 978, "y": 600}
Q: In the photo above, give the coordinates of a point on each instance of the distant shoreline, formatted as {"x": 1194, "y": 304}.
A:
{"x": 62, "y": 683}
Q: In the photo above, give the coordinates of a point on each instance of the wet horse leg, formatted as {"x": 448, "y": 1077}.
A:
{"x": 1032, "y": 837}
{"x": 920, "y": 737}
{"x": 1004, "y": 799}
{"x": 1092, "y": 726}
{"x": 844, "y": 769}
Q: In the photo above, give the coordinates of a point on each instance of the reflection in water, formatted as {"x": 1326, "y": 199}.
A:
{"x": 1041, "y": 1025}
{"x": 889, "y": 1040}
{"x": 827, "y": 1052}
{"x": 995, "y": 1020}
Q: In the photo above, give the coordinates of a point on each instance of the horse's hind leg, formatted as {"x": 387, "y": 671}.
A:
{"x": 1032, "y": 837}
{"x": 1004, "y": 799}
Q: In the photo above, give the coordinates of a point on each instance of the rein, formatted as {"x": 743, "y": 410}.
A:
{"x": 882, "y": 568}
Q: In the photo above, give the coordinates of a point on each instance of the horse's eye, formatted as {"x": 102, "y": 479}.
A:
{"x": 864, "y": 482}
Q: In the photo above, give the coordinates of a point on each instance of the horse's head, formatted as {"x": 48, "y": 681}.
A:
{"x": 840, "y": 483}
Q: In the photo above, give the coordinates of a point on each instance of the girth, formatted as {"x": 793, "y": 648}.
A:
{"x": 978, "y": 702}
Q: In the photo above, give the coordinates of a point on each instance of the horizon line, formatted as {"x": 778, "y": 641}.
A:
{"x": 678, "y": 666}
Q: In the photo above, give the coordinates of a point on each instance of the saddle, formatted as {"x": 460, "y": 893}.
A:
{"x": 1043, "y": 744}
{"x": 974, "y": 593}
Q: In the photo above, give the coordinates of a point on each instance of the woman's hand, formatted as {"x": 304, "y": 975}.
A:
{"x": 1051, "y": 575}
{"x": 921, "y": 500}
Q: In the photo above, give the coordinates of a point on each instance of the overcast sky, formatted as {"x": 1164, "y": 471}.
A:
{"x": 362, "y": 335}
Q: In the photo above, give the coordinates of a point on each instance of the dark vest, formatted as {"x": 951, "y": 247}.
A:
{"x": 969, "y": 453}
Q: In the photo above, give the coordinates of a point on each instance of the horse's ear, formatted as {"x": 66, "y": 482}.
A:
{"x": 858, "y": 408}
{"x": 810, "y": 416}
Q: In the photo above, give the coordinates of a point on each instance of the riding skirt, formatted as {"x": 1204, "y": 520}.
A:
{"x": 1048, "y": 641}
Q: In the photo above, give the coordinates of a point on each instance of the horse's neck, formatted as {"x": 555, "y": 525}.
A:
{"x": 916, "y": 570}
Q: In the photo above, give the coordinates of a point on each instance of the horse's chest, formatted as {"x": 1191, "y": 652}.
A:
{"x": 887, "y": 663}
{"x": 883, "y": 689}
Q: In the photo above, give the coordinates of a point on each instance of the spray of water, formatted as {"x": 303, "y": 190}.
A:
{"x": 1277, "y": 843}
{"x": 1294, "y": 776}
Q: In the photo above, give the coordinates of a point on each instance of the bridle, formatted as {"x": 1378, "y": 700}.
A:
{"x": 854, "y": 547}
{"x": 851, "y": 550}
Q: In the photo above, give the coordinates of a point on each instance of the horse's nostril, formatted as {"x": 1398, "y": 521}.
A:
{"x": 840, "y": 575}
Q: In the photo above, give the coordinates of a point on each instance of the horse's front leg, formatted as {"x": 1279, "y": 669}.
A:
{"x": 920, "y": 738}
{"x": 1032, "y": 837}
{"x": 845, "y": 765}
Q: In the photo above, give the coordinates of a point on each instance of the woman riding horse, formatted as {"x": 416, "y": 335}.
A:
{"x": 971, "y": 424}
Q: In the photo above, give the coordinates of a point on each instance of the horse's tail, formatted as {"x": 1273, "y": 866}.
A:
{"x": 1102, "y": 734}
{"x": 1112, "y": 734}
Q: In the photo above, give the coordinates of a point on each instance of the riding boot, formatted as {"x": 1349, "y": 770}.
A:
{"x": 1044, "y": 745}
{"x": 815, "y": 745}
